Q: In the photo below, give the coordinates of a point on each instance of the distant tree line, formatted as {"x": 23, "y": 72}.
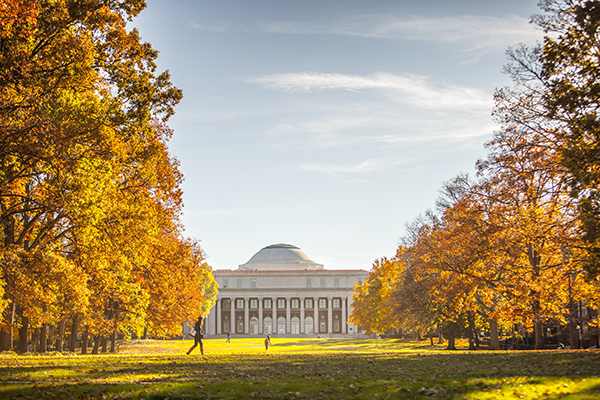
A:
{"x": 518, "y": 245}
{"x": 90, "y": 198}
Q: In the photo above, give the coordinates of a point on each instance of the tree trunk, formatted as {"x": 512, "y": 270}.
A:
{"x": 6, "y": 337}
{"x": 43, "y": 338}
{"x": 113, "y": 342}
{"x": 494, "y": 341}
{"x": 24, "y": 334}
{"x": 4, "y": 341}
{"x": 573, "y": 335}
{"x": 36, "y": 340}
{"x": 534, "y": 261}
{"x": 538, "y": 331}
{"x": 97, "y": 340}
{"x": 471, "y": 322}
{"x": 73, "y": 341}
{"x": 84, "y": 341}
{"x": 61, "y": 335}
{"x": 104, "y": 343}
{"x": 451, "y": 344}
{"x": 145, "y": 333}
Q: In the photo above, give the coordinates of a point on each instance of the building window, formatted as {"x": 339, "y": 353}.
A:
{"x": 308, "y": 303}
{"x": 336, "y": 283}
{"x": 323, "y": 324}
{"x": 336, "y": 303}
{"x": 295, "y": 303}
{"x": 322, "y": 282}
{"x": 240, "y": 325}
{"x": 308, "y": 325}
{"x": 226, "y": 322}
{"x": 322, "y": 303}
{"x": 239, "y": 283}
{"x": 267, "y": 303}
{"x": 281, "y": 303}
{"x": 226, "y": 304}
{"x": 308, "y": 282}
{"x": 225, "y": 283}
{"x": 239, "y": 304}
{"x": 253, "y": 283}
{"x": 253, "y": 304}
{"x": 337, "y": 325}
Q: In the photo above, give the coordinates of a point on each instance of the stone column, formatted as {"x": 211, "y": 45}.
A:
{"x": 274, "y": 317}
{"x": 302, "y": 330}
{"x": 344, "y": 326}
{"x": 207, "y": 321}
{"x": 246, "y": 316}
{"x": 288, "y": 315}
{"x": 232, "y": 321}
{"x": 214, "y": 319}
{"x": 329, "y": 316}
{"x": 260, "y": 315}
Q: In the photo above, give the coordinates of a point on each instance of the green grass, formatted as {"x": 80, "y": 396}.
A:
{"x": 302, "y": 369}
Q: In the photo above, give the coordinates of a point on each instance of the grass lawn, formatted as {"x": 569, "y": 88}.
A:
{"x": 302, "y": 369}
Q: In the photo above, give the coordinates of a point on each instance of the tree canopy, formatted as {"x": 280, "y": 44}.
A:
{"x": 90, "y": 197}
{"x": 519, "y": 243}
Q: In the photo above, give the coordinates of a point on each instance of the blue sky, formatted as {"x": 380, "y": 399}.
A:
{"x": 327, "y": 124}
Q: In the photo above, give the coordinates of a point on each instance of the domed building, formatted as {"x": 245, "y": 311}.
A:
{"x": 282, "y": 291}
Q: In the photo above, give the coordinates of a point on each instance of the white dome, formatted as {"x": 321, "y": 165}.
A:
{"x": 280, "y": 257}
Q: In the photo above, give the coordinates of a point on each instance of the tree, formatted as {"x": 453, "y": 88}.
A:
{"x": 86, "y": 182}
{"x": 571, "y": 69}
{"x": 372, "y": 305}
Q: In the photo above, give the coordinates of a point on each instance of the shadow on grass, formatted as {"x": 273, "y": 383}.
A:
{"x": 442, "y": 375}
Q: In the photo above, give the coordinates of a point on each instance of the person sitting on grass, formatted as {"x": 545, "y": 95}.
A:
{"x": 198, "y": 336}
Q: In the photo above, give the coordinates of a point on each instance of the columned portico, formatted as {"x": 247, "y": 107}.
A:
{"x": 302, "y": 329}
{"x": 282, "y": 290}
{"x": 288, "y": 316}
{"x": 246, "y": 316}
{"x": 329, "y": 316}
{"x": 344, "y": 324}
{"x": 260, "y": 315}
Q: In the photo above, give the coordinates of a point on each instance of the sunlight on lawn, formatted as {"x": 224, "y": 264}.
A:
{"x": 302, "y": 368}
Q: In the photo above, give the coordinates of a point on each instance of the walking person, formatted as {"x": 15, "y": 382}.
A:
{"x": 228, "y": 337}
{"x": 267, "y": 343}
{"x": 198, "y": 336}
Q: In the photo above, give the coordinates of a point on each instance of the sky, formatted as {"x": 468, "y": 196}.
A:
{"x": 327, "y": 124}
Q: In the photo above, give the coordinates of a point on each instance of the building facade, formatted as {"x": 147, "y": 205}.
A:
{"x": 282, "y": 291}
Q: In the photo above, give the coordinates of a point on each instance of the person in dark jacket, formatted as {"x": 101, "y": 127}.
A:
{"x": 198, "y": 336}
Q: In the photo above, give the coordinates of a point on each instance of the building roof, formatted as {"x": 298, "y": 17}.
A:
{"x": 307, "y": 272}
{"x": 278, "y": 257}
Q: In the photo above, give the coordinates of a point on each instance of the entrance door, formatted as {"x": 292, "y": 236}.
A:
{"x": 295, "y": 325}
{"x": 308, "y": 325}
{"x": 268, "y": 325}
{"x": 254, "y": 326}
{"x": 281, "y": 325}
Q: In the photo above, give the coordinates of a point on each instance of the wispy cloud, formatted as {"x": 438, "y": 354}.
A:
{"x": 371, "y": 165}
{"x": 481, "y": 31}
{"x": 408, "y": 88}
{"x": 476, "y": 32}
